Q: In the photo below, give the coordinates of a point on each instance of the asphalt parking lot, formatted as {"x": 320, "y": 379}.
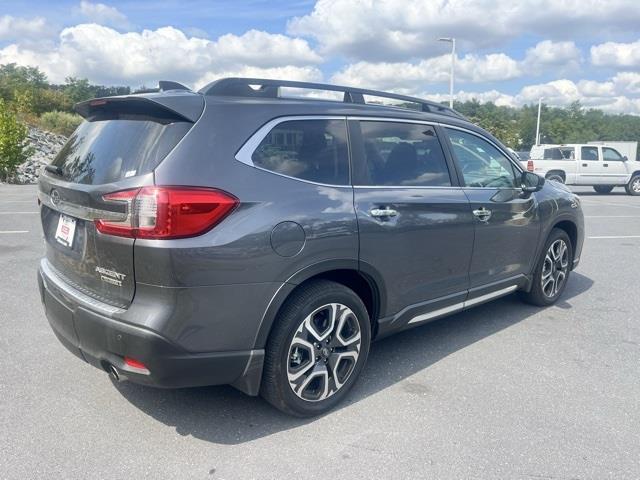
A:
{"x": 505, "y": 390}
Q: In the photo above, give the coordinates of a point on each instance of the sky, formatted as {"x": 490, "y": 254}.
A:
{"x": 511, "y": 52}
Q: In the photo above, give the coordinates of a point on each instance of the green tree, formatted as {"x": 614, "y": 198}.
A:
{"x": 78, "y": 89}
{"x": 13, "y": 142}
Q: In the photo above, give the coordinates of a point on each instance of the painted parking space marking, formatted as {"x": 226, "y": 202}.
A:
{"x": 606, "y": 237}
{"x": 17, "y": 213}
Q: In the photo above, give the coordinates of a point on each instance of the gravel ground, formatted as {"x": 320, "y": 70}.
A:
{"x": 504, "y": 390}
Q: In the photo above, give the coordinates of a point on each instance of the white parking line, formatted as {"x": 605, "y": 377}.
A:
{"x": 612, "y": 216}
{"x": 16, "y": 213}
{"x": 614, "y": 236}
{"x": 608, "y": 204}
{"x": 14, "y": 231}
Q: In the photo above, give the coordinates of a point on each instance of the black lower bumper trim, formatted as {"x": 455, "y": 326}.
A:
{"x": 103, "y": 341}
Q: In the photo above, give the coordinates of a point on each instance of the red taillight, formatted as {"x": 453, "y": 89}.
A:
{"x": 530, "y": 165}
{"x": 168, "y": 212}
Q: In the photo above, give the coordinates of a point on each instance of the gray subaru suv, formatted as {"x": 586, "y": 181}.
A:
{"x": 259, "y": 235}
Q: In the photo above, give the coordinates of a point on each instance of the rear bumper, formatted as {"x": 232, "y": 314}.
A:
{"x": 103, "y": 342}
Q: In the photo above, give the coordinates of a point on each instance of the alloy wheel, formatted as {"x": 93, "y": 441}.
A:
{"x": 635, "y": 185}
{"x": 323, "y": 352}
{"x": 555, "y": 268}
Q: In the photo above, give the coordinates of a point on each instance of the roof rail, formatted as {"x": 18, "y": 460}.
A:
{"x": 246, "y": 87}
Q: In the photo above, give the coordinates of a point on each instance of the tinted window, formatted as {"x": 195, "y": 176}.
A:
{"x": 314, "y": 150}
{"x": 403, "y": 154}
{"x": 109, "y": 150}
{"x": 562, "y": 153}
{"x": 610, "y": 154}
{"x": 482, "y": 164}
{"x": 590, "y": 153}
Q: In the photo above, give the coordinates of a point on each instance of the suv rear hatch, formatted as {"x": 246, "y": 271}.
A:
{"x": 117, "y": 147}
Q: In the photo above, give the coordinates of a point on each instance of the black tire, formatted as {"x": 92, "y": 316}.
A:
{"x": 539, "y": 295}
{"x": 633, "y": 187}
{"x": 603, "y": 188}
{"x": 281, "y": 353}
{"x": 556, "y": 177}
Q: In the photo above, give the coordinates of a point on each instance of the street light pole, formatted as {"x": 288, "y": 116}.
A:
{"x": 538, "y": 124}
{"x": 453, "y": 66}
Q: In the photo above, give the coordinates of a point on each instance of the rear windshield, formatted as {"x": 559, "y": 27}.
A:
{"x": 104, "y": 151}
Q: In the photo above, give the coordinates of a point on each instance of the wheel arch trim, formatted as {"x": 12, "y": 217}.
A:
{"x": 367, "y": 271}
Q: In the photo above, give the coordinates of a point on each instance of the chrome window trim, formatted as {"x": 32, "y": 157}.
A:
{"x": 248, "y": 148}
{"x": 439, "y": 187}
{"x": 392, "y": 119}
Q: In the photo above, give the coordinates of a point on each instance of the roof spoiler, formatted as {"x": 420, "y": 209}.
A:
{"x": 161, "y": 107}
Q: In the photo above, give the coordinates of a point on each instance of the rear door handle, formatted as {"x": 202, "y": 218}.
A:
{"x": 585, "y": 164}
{"x": 482, "y": 214}
{"x": 605, "y": 164}
{"x": 383, "y": 212}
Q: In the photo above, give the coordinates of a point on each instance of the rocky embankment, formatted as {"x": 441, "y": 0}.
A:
{"x": 45, "y": 146}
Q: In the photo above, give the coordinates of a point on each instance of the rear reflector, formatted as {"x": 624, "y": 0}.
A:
{"x": 130, "y": 362}
{"x": 530, "y": 166}
{"x": 168, "y": 212}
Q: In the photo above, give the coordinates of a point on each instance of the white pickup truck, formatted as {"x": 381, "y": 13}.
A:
{"x": 601, "y": 166}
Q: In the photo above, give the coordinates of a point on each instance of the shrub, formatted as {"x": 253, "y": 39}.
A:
{"x": 59, "y": 122}
{"x": 13, "y": 142}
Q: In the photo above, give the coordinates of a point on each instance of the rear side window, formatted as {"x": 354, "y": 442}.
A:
{"x": 313, "y": 150}
{"x": 590, "y": 153}
{"x": 105, "y": 151}
{"x": 403, "y": 154}
{"x": 561, "y": 153}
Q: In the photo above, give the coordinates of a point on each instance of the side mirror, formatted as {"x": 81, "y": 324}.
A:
{"x": 625, "y": 159}
{"x": 531, "y": 182}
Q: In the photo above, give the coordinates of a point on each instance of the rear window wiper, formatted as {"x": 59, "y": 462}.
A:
{"x": 56, "y": 170}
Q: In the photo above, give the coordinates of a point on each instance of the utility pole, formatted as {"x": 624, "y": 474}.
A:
{"x": 453, "y": 66}
{"x": 538, "y": 124}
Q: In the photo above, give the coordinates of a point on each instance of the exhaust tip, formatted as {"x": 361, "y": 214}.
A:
{"x": 114, "y": 374}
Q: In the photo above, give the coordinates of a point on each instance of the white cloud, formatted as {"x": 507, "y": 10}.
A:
{"x": 396, "y": 30}
{"x": 499, "y": 98}
{"x": 106, "y": 56}
{"x": 612, "y": 54}
{"x": 627, "y": 83}
{"x": 103, "y": 14}
{"x": 411, "y": 77}
{"x": 264, "y": 49}
{"x": 563, "y": 56}
{"x": 20, "y": 28}
{"x": 303, "y": 74}
{"x": 615, "y": 95}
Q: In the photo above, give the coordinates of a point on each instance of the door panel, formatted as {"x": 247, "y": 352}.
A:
{"x": 615, "y": 169}
{"x": 590, "y": 166}
{"x": 423, "y": 252}
{"x": 506, "y": 221}
{"x": 415, "y": 225}
{"x": 505, "y": 243}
